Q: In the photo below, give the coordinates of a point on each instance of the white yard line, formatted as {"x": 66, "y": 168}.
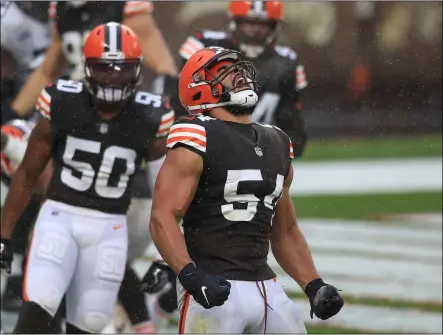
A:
{"x": 363, "y": 177}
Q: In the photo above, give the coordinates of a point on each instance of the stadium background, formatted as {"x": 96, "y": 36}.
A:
{"x": 368, "y": 191}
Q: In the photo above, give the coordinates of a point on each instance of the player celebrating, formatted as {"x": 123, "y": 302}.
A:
{"x": 96, "y": 133}
{"x": 229, "y": 179}
{"x": 253, "y": 29}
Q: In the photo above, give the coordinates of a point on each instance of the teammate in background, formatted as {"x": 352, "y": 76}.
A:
{"x": 72, "y": 22}
{"x": 96, "y": 132}
{"x": 229, "y": 179}
{"x": 25, "y": 35}
{"x": 253, "y": 29}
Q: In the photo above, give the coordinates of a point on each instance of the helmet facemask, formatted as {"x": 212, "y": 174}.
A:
{"x": 112, "y": 83}
{"x": 230, "y": 78}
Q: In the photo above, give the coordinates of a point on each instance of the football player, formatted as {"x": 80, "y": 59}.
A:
{"x": 96, "y": 132}
{"x": 229, "y": 179}
{"x": 72, "y": 22}
{"x": 254, "y": 29}
{"x": 25, "y": 35}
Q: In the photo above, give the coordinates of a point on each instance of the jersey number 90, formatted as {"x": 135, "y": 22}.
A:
{"x": 87, "y": 174}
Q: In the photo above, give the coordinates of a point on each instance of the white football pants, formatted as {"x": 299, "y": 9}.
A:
{"x": 82, "y": 253}
{"x": 243, "y": 312}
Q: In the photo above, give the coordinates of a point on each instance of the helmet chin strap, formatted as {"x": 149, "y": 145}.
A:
{"x": 243, "y": 99}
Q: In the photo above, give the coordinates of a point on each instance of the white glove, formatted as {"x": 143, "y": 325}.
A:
{"x": 15, "y": 149}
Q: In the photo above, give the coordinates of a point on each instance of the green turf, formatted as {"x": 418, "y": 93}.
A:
{"x": 354, "y": 148}
{"x": 423, "y": 306}
{"x": 320, "y": 329}
{"x": 367, "y": 206}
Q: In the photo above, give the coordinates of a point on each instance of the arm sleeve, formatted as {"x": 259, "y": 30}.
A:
{"x": 44, "y": 103}
{"x": 188, "y": 132}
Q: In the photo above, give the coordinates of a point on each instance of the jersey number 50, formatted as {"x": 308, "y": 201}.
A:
{"x": 87, "y": 173}
{"x": 231, "y": 195}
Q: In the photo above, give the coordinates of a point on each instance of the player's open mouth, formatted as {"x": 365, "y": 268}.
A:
{"x": 240, "y": 83}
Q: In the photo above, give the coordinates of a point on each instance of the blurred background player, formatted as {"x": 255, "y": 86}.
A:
{"x": 72, "y": 21}
{"x": 88, "y": 129}
{"x": 15, "y": 136}
{"x": 25, "y": 35}
{"x": 254, "y": 29}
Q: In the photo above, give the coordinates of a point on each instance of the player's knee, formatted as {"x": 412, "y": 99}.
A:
{"x": 95, "y": 322}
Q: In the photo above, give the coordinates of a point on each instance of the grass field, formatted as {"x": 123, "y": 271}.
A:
{"x": 367, "y": 206}
{"x": 355, "y": 148}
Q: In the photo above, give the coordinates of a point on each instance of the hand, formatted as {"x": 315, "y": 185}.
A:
{"x": 208, "y": 290}
{"x": 156, "y": 277}
{"x": 5, "y": 255}
{"x": 325, "y": 299}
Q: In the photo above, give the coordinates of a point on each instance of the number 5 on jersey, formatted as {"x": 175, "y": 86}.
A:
{"x": 231, "y": 195}
{"x": 87, "y": 173}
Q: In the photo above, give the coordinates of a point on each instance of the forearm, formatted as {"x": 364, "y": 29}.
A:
{"x": 157, "y": 55}
{"x": 169, "y": 241}
{"x": 292, "y": 253}
{"x": 27, "y": 98}
{"x": 19, "y": 195}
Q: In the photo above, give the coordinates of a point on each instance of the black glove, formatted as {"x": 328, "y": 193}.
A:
{"x": 325, "y": 299}
{"x": 156, "y": 277}
{"x": 5, "y": 254}
{"x": 208, "y": 290}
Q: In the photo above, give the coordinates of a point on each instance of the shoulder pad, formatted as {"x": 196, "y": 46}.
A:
{"x": 286, "y": 52}
{"x": 283, "y": 135}
{"x": 188, "y": 131}
{"x": 200, "y": 40}
{"x": 156, "y": 111}
{"x": 58, "y": 88}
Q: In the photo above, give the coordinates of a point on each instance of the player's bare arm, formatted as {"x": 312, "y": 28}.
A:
{"x": 292, "y": 253}
{"x": 155, "y": 50}
{"x": 174, "y": 190}
{"x": 287, "y": 241}
{"x": 51, "y": 68}
{"x": 26, "y": 176}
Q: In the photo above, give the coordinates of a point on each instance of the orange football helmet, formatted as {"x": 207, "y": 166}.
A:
{"x": 202, "y": 82}
{"x": 254, "y": 41}
{"x": 113, "y": 60}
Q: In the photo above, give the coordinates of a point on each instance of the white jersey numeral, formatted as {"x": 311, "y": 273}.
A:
{"x": 231, "y": 195}
{"x": 69, "y": 86}
{"x": 87, "y": 174}
{"x": 265, "y": 109}
{"x": 146, "y": 98}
